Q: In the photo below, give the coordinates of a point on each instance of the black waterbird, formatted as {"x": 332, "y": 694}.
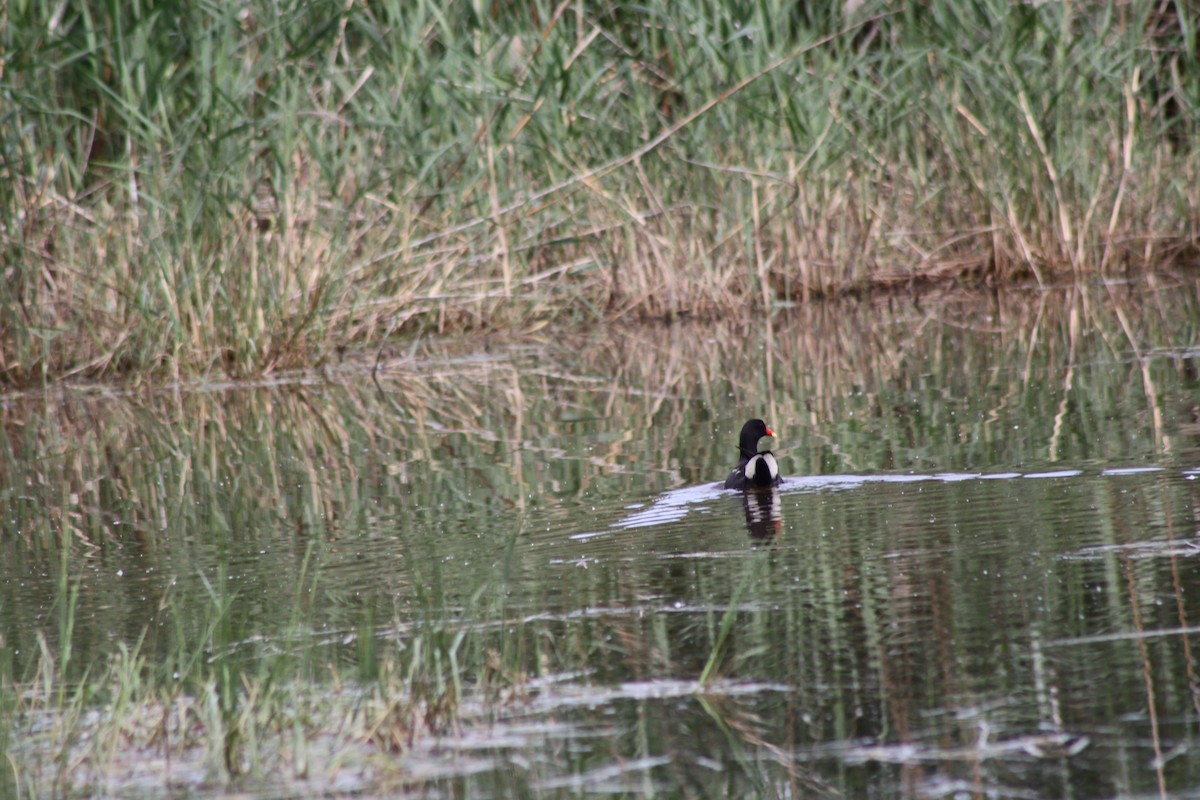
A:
{"x": 754, "y": 470}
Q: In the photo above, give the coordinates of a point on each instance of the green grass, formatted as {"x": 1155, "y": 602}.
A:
{"x": 194, "y": 188}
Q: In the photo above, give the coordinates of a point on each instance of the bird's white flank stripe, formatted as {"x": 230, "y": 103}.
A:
{"x": 768, "y": 461}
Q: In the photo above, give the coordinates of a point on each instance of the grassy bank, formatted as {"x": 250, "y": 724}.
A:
{"x": 187, "y": 187}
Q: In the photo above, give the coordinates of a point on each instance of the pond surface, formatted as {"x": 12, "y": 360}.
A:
{"x": 981, "y": 576}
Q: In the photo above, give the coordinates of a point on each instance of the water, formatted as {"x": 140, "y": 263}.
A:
{"x": 981, "y": 576}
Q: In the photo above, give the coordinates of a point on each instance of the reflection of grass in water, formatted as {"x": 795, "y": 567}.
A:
{"x": 217, "y": 708}
{"x": 275, "y": 668}
{"x": 728, "y": 619}
{"x": 847, "y": 386}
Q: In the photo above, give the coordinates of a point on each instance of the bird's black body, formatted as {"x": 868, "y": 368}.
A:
{"x": 754, "y": 470}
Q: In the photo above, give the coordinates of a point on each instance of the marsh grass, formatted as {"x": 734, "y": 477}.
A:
{"x": 250, "y": 188}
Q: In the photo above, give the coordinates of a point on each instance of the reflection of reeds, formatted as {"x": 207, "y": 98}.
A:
{"x": 237, "y": 547}
{"x": 96, "y": 470}
{"x": 412, "y": 166}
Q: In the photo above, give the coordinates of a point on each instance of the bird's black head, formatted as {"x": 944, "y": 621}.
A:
{"x": 752, "y": 431}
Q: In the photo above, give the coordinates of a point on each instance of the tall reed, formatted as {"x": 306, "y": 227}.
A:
{"x": 242, "y": 188}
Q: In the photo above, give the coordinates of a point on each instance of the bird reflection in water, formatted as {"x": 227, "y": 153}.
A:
{"x": 764, "y": 513}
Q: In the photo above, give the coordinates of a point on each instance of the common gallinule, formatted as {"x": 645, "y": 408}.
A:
{"x": 754, "y": 470}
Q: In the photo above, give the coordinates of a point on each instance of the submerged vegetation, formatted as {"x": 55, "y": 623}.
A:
{"x": 254, "y": 186}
